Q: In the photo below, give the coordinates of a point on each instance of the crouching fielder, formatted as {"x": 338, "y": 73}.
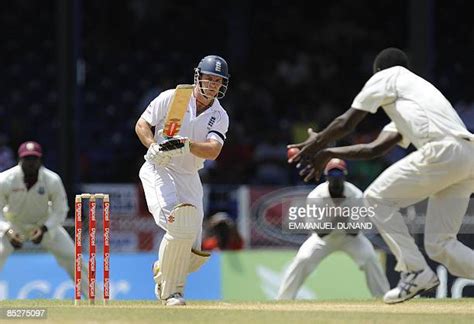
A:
{"x": 170, "y": 178}
{"x": 33, "y": 207}
{"x": 317, "y": 247}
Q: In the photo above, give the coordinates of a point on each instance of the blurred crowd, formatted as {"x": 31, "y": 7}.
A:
{"x": 291, "y": 68}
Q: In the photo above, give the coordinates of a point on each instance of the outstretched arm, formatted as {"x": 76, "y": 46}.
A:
{"x": 340, "y": 127}
{"x": 380, "y": 146}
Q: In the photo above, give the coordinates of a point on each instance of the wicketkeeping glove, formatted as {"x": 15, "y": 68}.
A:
{"x": 175, "y": 146}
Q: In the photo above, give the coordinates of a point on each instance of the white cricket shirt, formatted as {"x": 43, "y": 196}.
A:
{"x": 419, "y": 111}
{"x": 210, "y": 124}
{"x": 45, "y": 203}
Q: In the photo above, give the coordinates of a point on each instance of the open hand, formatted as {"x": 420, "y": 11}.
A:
{"x": 314, "y": 167}
{"x": 306, "y": 148}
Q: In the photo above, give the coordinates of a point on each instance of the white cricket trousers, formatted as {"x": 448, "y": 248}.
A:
{"x": 164, "y": 189}
{"x": 444, "y": 172}
{"x": 57, "y": 241}
{"x": 315, "y": 249}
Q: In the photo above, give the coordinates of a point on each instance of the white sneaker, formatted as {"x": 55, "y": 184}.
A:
{"x": 175, "y": 299}
{"x": 412, "y": 284}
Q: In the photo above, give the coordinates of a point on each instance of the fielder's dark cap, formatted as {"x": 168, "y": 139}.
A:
{"x": 30, "y": 148}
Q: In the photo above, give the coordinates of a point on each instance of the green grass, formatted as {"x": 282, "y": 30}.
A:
{"x": 343, "y": 311}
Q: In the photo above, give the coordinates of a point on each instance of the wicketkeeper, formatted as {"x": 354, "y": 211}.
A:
{"x": 317, "y": 247}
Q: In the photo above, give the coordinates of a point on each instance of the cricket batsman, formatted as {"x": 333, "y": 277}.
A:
{"x": 441, "y": 169}
{"x": 170, "y": 178}
{"x": 33, "y": 206}
{"x": 319, "y": 246}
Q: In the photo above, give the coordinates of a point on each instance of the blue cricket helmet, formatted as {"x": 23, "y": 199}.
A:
{"x": 214, "y": 65}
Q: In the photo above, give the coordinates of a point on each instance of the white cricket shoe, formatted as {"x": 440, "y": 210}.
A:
{"x": 410, "y": 285}
{"x": 175, "y": 299}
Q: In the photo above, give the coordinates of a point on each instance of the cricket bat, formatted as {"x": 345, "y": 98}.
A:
{"x": 176, "y": 109}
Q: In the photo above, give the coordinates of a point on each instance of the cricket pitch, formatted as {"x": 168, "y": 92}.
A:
{"x": 342, "y": 311}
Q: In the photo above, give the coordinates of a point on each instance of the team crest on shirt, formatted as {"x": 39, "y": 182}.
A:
{"x": 211, "y": 122}
{"x": 216, "y": 116}
{"x": 41, "y": 190}
{"x": 170, "y": 219}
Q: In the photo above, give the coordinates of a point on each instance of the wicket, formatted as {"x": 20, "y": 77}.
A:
{"x": 92, "y": 246}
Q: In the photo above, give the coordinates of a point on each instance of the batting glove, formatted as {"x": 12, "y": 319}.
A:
{"x": 155, "y": 156}
{"x": 175, "y": 146}
{"x": 162, "y": 160}
{"x": 153, "y": 152}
